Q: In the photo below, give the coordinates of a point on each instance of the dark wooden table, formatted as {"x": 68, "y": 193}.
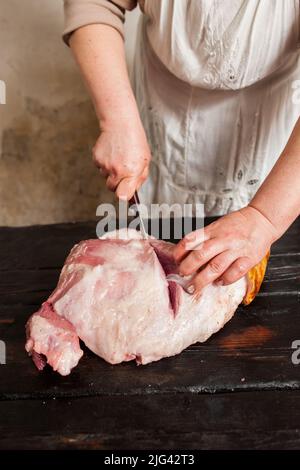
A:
{"x": 238, "y": 390}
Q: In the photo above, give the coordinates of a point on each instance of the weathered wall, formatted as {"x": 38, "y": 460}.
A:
{"x": 47, "y": 126}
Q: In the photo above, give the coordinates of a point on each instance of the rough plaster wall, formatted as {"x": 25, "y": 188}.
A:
{"x": 47, "y": 126}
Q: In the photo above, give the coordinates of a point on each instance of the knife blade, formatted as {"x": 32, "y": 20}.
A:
{"x": 136, "y": 200}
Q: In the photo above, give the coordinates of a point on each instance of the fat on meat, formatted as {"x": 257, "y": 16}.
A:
{"x": 113, "y": 294}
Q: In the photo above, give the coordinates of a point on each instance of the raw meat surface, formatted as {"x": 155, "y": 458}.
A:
{"x": 113, "y": 294}
{"x": 52, "y": 339}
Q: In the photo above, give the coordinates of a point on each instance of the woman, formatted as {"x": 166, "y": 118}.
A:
{"x": 214, "y": 81}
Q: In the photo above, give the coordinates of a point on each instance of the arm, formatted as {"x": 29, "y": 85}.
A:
{"x": 278, "y": 199}
{"x": 228, "y": 248}
{"x": 121, "y": 152}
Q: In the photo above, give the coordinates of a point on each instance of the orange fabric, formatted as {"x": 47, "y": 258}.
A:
{"x": 255, "y": 278}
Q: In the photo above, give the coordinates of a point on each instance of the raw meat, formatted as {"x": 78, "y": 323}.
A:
{"x": 114, "y": 295}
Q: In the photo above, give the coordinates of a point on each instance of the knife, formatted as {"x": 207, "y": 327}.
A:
{"x": 136, "y": 200}
{"x": 183, "y": 282}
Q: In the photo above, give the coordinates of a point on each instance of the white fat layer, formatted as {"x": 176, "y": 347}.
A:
{"x": 117, "y": 324}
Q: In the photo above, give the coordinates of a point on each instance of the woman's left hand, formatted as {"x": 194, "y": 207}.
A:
{"x": 225, "y": 250}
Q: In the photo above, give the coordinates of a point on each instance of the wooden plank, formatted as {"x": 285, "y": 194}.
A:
{"x": 41, "y": 246}
{"x": 47, "y": 246}
{"x": 252, "y": 420}
{"x": 175, "y": 403}
{"x": 27, "y": 287}
{"x": 282, "y": 275}
{"x": 252, "y": 352}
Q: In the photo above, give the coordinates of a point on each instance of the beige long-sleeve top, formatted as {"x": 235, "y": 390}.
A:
{"x": 80, "y": 13}
{"x": 214, "y": 82}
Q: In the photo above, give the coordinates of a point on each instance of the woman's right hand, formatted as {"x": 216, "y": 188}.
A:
{"x": 123, "y": 155}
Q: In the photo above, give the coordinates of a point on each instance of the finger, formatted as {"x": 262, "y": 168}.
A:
{"x": 112, "y": 182}
{"x": 214, "y": 270}
{"x": 201, "y": 255}
{"x": 237, "y": 270}
{"x": 96, "y": 158}
{"x": 126, "y": 188}
{"x": 189, "y": 242}
{"x": 103, "y": 171}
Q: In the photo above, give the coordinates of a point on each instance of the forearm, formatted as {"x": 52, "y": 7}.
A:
{"x": 278, "y": 199}
{"x": 99, "y": 52}
{"x": 121, "y": 152}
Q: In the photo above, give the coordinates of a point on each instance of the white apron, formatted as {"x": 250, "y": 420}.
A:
{"x": 214, "y": 84}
